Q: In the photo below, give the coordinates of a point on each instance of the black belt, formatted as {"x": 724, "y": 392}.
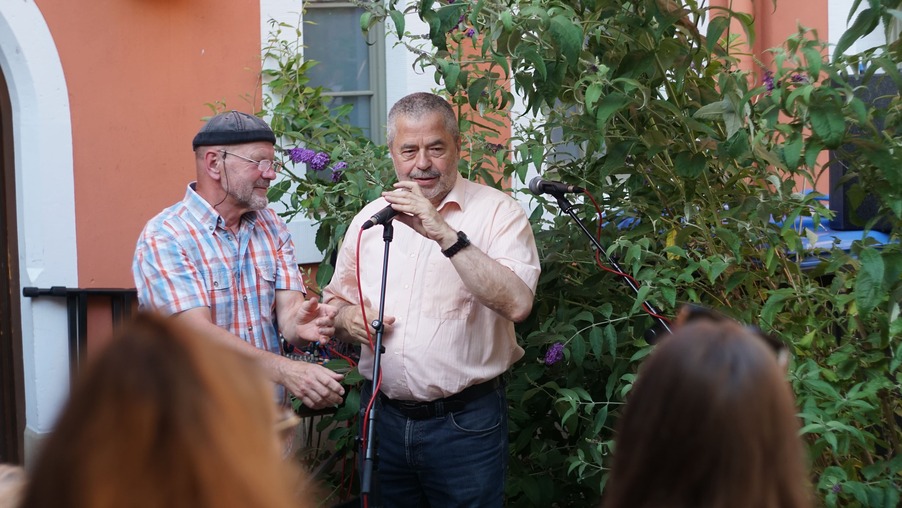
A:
{"x": 416, "y": 410}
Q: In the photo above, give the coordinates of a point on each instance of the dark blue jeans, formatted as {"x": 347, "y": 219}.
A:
{"x": 456, "y": 459}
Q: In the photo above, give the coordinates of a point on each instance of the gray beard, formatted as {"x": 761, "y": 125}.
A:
{"x": 249, "y": 200}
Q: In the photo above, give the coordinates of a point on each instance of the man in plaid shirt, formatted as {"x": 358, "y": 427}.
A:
{"x": 223, "y": 262}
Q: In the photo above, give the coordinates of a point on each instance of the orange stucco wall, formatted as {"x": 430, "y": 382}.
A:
{"x": 139, "y": 73}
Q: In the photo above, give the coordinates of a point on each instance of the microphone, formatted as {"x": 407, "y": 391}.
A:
{"x": 539, "y": 186}
{"x": 380, "y": 217}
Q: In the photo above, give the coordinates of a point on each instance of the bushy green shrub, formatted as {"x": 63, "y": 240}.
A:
{"x": 701, "y": 170}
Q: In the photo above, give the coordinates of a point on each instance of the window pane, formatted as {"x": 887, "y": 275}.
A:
{"x": 336, "y": 43}
{"x": 360, "y": 115}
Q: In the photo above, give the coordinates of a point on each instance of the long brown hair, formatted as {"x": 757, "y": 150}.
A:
{"x": 709, "y": 423}
{"x": 164, "y": 418}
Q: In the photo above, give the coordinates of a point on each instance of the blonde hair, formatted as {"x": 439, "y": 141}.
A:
{"x": 162, "y": 417}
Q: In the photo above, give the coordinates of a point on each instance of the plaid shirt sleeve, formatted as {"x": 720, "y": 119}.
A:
{"x": 288, "y": 276}
{"x": 166, "y": 279}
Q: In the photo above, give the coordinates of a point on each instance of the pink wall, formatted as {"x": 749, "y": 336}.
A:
{"x": 139, "y": 73}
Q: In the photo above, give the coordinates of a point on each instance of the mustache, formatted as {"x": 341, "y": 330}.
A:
{"x": 424, "y": 174}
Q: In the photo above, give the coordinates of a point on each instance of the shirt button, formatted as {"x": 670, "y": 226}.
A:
{"x": 249, "y": 328}
{"x": 406, "y": 286}
{"x": 211, "y": 228}
{"x": 215, "y": 284}
{"x": 245, "y": 298}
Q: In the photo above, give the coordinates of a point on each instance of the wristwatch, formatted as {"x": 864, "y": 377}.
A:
{"x": 462, "y": 241}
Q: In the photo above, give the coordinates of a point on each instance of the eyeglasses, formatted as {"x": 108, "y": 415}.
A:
{"x": 691, "y": 312}
{"x": 263, "y": 166}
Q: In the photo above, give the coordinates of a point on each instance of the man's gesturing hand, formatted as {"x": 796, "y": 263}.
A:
{"x": 349, "y": 326}
{"x": 316, "y": 386}
{"x": 315, "y": 321}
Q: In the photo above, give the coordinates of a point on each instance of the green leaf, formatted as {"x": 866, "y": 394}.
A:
{"x": 792, "y": 150}
{"x": 668, "y": 293}
{"x": 869, "y": 282}
{"x": 864, "y": 24}
{"x": 601, "y": 416}
{"x": 610, "y": 104}
{"x": 714, "y": 110}
{"x": 593, "y": 93}
{"x": 689, "y": 165}
{"x": 716, "y": 27}
{"x": 475, "y": 90}
{"x": 398, "y": 18}
{"x": 537, "y": 152}
{"x": 529, "y": 54}
{"x": 827, "y": 122}
{"x": 451, "y": 74}
{"x": 595, "y": 339}
{"x": 610, "y": 335}
{"x": 568, "y": 36}
{"x": 577, "y": 350}
{"x": 773, "y": 305}
{"x": 641, "y": 296}
{"x": 365, "y": 20}
{"x": 507, "y": 20}
{"x": 814, "y": 59}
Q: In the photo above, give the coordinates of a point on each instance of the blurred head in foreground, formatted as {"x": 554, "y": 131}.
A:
{"x": 12, "y": 483}
{"x": 163, "y": 418}
{"x": 711, "y": 422}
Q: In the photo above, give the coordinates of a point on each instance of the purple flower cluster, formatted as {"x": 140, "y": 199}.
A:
{"x": 319, "y": 161}
{"x": 301, "y": 155}
{"x": 768, "y": 81}
{"x": 799, "y": 78}
{"x": 338, "y": 169}
{"x": 471, "y": 32}
{"x": 493, "y": 147}
{"x": 554, "y": 354}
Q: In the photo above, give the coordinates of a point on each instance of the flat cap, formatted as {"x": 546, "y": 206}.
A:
{"x": 233, "y": 128}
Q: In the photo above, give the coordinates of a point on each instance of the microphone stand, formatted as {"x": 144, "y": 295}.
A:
{"x": 567, "y": 207}
{"x": 369, "y": 456}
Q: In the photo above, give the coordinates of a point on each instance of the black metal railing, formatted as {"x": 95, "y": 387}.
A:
{"x": 122, "y": 301}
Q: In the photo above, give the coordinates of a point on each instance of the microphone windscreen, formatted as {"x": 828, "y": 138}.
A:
{"x": 535, "y": 185}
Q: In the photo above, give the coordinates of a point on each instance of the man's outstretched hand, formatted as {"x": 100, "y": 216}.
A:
{"x": 314, "y": 321}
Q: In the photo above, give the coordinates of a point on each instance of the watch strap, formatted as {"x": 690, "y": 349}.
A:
{"x": 462, "y": 241}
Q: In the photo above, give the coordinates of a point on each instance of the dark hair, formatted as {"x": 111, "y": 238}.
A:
{"x": 418, "y": 105}
{"x": 162, "y": 417}
{"x": 709, "y": 423}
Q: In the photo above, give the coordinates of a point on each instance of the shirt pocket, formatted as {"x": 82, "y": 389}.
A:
{"x": 444, "y": 293}
{"x": 219, "y": 283}
{"x": 266, "y": 285}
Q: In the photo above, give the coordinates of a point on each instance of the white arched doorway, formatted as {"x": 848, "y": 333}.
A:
{"x": 45, "y": 206}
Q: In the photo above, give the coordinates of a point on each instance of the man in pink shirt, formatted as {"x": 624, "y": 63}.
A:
{"x": 463, "y": 268}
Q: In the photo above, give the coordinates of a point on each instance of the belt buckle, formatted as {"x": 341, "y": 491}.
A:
{"x": 415, "y": 410}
